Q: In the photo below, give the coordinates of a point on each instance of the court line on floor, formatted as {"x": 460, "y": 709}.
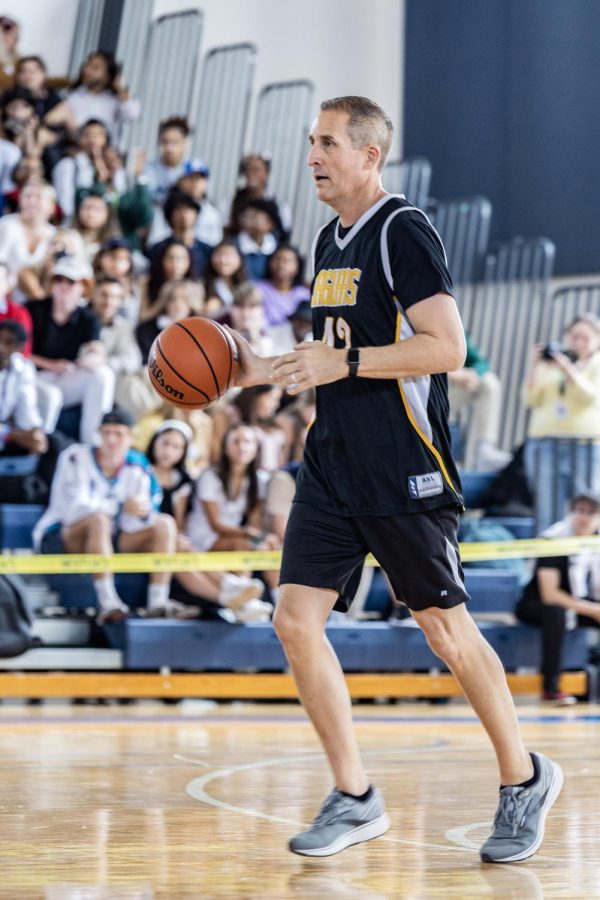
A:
{"x": 196, "y": 790}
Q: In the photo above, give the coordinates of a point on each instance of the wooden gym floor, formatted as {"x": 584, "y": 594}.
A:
{"x": 196, "y": 800}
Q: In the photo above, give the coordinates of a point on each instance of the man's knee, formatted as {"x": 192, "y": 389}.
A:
{"x": 298, "y": 620}
{"x": 441, "y": 634}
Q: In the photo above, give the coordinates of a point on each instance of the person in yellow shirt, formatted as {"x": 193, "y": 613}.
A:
{"x": 562, "y": 391}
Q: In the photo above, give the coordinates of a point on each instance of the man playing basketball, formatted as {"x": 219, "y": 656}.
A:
{"x": 378, "y": 476}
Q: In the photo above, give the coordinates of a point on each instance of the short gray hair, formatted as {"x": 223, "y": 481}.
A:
{"x": 368, "y": 123}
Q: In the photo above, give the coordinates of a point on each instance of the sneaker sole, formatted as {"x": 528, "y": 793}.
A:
{"x": 551, "y": 797}
{"x": 365, "y": 832}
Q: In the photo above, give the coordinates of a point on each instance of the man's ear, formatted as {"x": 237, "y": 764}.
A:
{"x": 373, "y": 155}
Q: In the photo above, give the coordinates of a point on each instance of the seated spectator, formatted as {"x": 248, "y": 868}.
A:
{"x": 67, "y": 350}
{"x": 93, "y": 222}
{"x": 226, "y": 510}
{"x": 224, "y": 271}
{"x": 256, "y": 239}
{"x": 246, "y": 315}
{"x": 21, "y": 425}
{"x": 563, "y": 439}
{"x": 177, "y": 300}
{"x": 295, "y": 419}
{"x": 50, "y": 109}
{"x": 28, "y": 170}
{"x": 105, "y": 498}
{"x": 200, "y": 423}
{"x": 296, "y": 330}
{"x": 115, "y": 260}
{"x": 173, "y": 262}
{"x": 116, "y": 332}
{"x": 134, "y": 208}
{"x": 258, "y": 408}
{"x": 564, "y": 591}
{"x": 20, "y": 125}
{"x": 163, "y": 170}
{"x": 12, "y": 311}
{"x": 255, "y": 169}
{"x": 193, "y": 181}
{"x": 283, "y": 288}
{"x": 167, "y": 453}
{"x": 25, "y": 236}
{"x": 35, "y": 282}
{"x": 9, "y": 54}
{"x": 87, "y": 169}
{"x": 99, "y": 93}
{"x": 476, "y": 387}
{"x": 181, "y": 213}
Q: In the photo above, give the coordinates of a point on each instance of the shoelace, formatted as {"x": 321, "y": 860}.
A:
{"x": 334, "y": 806}
{"x": 510, "y": 812}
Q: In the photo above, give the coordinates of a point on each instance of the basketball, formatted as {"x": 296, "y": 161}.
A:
{"x": 193, "y": 362}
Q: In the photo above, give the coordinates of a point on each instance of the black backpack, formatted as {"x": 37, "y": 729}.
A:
{"x": 16, "y": 617}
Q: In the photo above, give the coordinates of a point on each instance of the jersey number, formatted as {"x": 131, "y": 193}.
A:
{"x": 341, "y": 330}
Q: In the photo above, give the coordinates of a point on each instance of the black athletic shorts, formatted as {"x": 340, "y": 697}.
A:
{"x": 417, "y": 551}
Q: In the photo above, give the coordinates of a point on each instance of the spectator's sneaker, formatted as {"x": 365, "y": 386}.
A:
{"x": 519, "y": 824}
{"x": 558, "y": 698}
{"x": 254, "y": 611}
{"x": 172, "y": 609}
{"x": 236, "y": 591}
{"x": 342, "y": 821}
{"x": 113, "y": 615}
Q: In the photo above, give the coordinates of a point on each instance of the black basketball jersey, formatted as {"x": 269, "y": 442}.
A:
{"x": 378, "y": 446}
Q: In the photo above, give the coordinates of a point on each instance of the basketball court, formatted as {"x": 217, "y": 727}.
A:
{"x": 198, "y": 800}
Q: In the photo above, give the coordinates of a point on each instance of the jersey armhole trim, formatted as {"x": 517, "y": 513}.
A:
{"x": 385, "y": 250}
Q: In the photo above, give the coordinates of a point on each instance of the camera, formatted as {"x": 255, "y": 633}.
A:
{"x": 551, "y": 349}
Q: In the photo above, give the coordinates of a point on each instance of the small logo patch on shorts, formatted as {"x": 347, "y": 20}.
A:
{"x": 428, "y": 485}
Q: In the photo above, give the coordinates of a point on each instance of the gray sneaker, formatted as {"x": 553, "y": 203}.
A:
{"x": 519, "y": 824}
{"x": 342, "y": 821}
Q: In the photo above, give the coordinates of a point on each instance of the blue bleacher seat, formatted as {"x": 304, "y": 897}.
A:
{"x": 492, "y": 590}
{"x": 474, "y": 485}
{"x": 16, "y": 524}
{"x": 19, "y": 465}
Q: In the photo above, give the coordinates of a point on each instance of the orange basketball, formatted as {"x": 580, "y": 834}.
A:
{"x": 193, "y": 362}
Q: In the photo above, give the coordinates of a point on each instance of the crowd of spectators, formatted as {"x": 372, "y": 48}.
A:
{"x": 101, "y": 250}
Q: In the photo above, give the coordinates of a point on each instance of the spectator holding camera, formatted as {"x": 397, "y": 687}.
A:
{"x": 562, "y": 391}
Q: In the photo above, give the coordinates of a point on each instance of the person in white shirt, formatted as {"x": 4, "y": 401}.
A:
{"x": 192, "y": 181}
{"x": 26, "y": 235}
{"x": 100, "y": 93}
{"x": 106, "y": 498}
{"x": 161, "y": 172}
{"x": 21, "y": 427}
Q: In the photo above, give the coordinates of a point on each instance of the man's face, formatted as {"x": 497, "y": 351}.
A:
{"x": 586, "y": 518}
{"x": 183, "y": 218}
{"x": 108, "y": 299}
{"x": 8, "y": 346}
{"x": 115, "y": 440}
{"x": 194, "y": 185}
{"x": 339, "y": 169}
{"x": 172, "y": 146}
{"x": 66, "y": 294}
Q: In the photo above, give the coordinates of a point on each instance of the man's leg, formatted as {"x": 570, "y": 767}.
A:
{"x": 530, "y": 783}
{"x": 299, "y": 621}
{"x": 93, "y": 535}
{"x": 454, "y": 637}
{"x": 354, "y": 811}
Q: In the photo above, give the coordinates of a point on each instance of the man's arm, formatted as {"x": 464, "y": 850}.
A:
{"x": 552, "y": 594}
{"x": 437, "y": 345}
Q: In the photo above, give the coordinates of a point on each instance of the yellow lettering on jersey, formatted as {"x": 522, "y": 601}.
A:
{"x": 336, "y": 287}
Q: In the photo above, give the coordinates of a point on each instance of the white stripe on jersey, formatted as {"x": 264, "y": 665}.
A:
{"x": 385, "y": 251}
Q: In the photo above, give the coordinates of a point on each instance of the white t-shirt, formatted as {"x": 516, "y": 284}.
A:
{"x": 231, "y": 511}
{"x": 14, "y": 247}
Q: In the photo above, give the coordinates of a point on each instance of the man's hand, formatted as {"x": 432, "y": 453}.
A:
{"x": 34, "y": 440}
{"x": 465, "y": 378}
{"x": 60, "y": 366}
{"x": 308, "y": 365}
{"x": 137, "y": 506}
{"x": 253, "y": 369}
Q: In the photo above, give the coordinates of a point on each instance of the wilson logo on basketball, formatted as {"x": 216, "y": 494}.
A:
{"x": 157, "y": 375}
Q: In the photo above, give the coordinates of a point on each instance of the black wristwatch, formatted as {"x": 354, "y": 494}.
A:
{"x": 353, "y": 361}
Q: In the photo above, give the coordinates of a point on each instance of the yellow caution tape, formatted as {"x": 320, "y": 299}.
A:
{"x": 257, "y": 560}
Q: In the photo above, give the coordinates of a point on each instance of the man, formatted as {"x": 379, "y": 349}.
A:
{"x": 67, "y": 350}
{"x": 181, "y": 213}
{"x": 564, "y": 591}
{"x": 163, "y": 170}
{"x": 105, "y": 498}
{"x": 378, "y": 476}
